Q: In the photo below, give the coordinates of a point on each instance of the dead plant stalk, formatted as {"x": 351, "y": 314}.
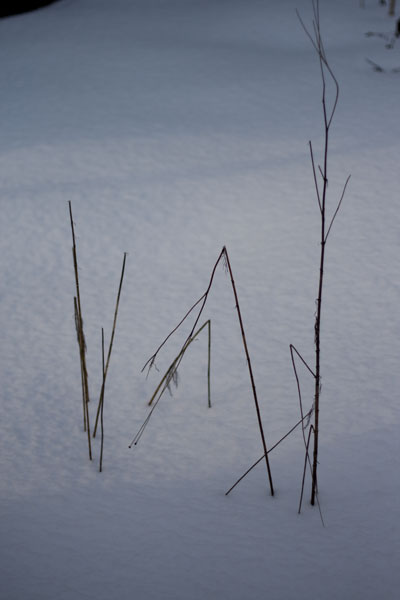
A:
{"x": 325, "y": 225}
{"x": 101, "y": 399}
{"x": 173, "y": 369}
{"x": 81, "y": 338}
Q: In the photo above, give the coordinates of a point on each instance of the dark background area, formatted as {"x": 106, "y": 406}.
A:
{"x": 15, "y": 7}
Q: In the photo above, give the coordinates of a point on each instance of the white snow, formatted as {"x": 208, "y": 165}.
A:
{"x": 175, "y": 127}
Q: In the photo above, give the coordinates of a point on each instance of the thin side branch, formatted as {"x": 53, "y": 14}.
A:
{"x": 269, "y": 451}
{"x": 338, "y": 207}
{"x": 315, "y": 176}
{"x": 306, "y": 460}
{"x": 150, "y": 362}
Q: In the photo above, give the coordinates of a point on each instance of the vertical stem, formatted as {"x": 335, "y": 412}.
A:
{"x": 77, "y": 326}
{"x": 317, "y": 374}
{"x": 250, "y": 372}
{"x": 102, "y": 404}
{"x": 209, "y": 364}
{"x": 306, "y": 458}
{"x": 81, "y": 339}
{"x": 319, "y": 299}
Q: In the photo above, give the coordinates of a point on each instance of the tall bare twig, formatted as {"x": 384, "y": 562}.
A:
{"x": 328, "y": 114}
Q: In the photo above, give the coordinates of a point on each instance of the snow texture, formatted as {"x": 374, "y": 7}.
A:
{"x": 174, "y": 128}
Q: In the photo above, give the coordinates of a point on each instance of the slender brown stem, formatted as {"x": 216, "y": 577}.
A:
{"x": 78, "y": 334}
{"x": 81, "y": 338}
{"x": 209, "y": 364}
{"x": 110, "y": 346}
{"x": 253, "y": 386}
{"x": 102, "y": 404}
{"x": 328, "y": 114}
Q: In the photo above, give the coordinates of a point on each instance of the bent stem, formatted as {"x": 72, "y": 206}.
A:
{"x": 202, "y": 301}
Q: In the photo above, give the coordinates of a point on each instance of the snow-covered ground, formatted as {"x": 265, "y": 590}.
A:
{"x": 175, "y": 127}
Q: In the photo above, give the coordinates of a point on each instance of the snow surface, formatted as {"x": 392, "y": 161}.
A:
{"x": 175, "y": 127}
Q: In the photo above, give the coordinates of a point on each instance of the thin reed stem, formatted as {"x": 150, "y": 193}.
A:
{"x": 81, "y": 338}
{"x": 102, "y": 404}
{"x": 78, "y": 334}
{"x": 209, "y": 364}
{"x": 110, "y": 346}
{"x": 253, "y": 385}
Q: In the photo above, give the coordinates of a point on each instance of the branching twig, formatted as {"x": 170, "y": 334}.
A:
{"x": 202, "y": 301}
{"x": 328, "y": 115}
{"x": 172, "y": 369}
{"x": 338, "y": 206}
